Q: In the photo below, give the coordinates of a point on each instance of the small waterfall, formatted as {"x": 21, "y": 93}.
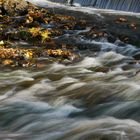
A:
{"x": 124, "y": 5}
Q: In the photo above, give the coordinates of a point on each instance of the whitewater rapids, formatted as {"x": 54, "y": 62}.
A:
{"x": 96, "y": 98}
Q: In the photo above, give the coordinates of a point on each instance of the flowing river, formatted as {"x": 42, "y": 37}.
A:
{"x": 96, "y": 98}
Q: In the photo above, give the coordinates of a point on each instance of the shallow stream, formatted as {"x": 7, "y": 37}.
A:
{"x": 96, "y": 98}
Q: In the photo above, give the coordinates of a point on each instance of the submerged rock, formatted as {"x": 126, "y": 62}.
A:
{"x": 13, "y": 7}
{"x": 136, "y": 56}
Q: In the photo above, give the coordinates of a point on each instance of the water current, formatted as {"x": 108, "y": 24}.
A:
{"x": 96, "y": 98}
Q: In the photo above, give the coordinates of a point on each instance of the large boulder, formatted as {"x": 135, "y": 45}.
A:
{"x": 13, "y": 7}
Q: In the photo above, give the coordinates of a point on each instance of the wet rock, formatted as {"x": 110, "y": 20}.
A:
{"x": 121, "y": 20}
{"x": 136, "y": 56}
{"x": 132, "y": 26}
{"x": 100, "y": 69}
{"x": 89, "y": 46}
{"x": 13, "y": 7}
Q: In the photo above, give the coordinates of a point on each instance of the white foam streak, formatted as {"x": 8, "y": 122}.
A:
{"x": 66, "y": 80}
{"x": 88, "y": 62}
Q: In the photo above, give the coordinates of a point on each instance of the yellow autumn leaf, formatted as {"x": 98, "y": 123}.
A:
{"x": 7, "y": 62}
{"x": 29, "y": 19}
{"x": 28, "y": 55}
{"x": 34, "y": 31}
{"x": 46, "y": 20}
{"x": 45, "y": 35}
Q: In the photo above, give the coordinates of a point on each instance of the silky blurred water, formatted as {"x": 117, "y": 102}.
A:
{"x": 96, "y": 98}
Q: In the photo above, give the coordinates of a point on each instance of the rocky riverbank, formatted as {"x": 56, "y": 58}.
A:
{"x": 28, "y": 32}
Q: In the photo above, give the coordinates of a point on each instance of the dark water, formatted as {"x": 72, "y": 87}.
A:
{"x": 124, "y": 5}
{"x": 96, "y": 98}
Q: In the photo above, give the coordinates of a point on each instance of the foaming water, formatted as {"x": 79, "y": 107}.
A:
{"x": 82, "y": 100}
{"x": 95, "y": 98}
